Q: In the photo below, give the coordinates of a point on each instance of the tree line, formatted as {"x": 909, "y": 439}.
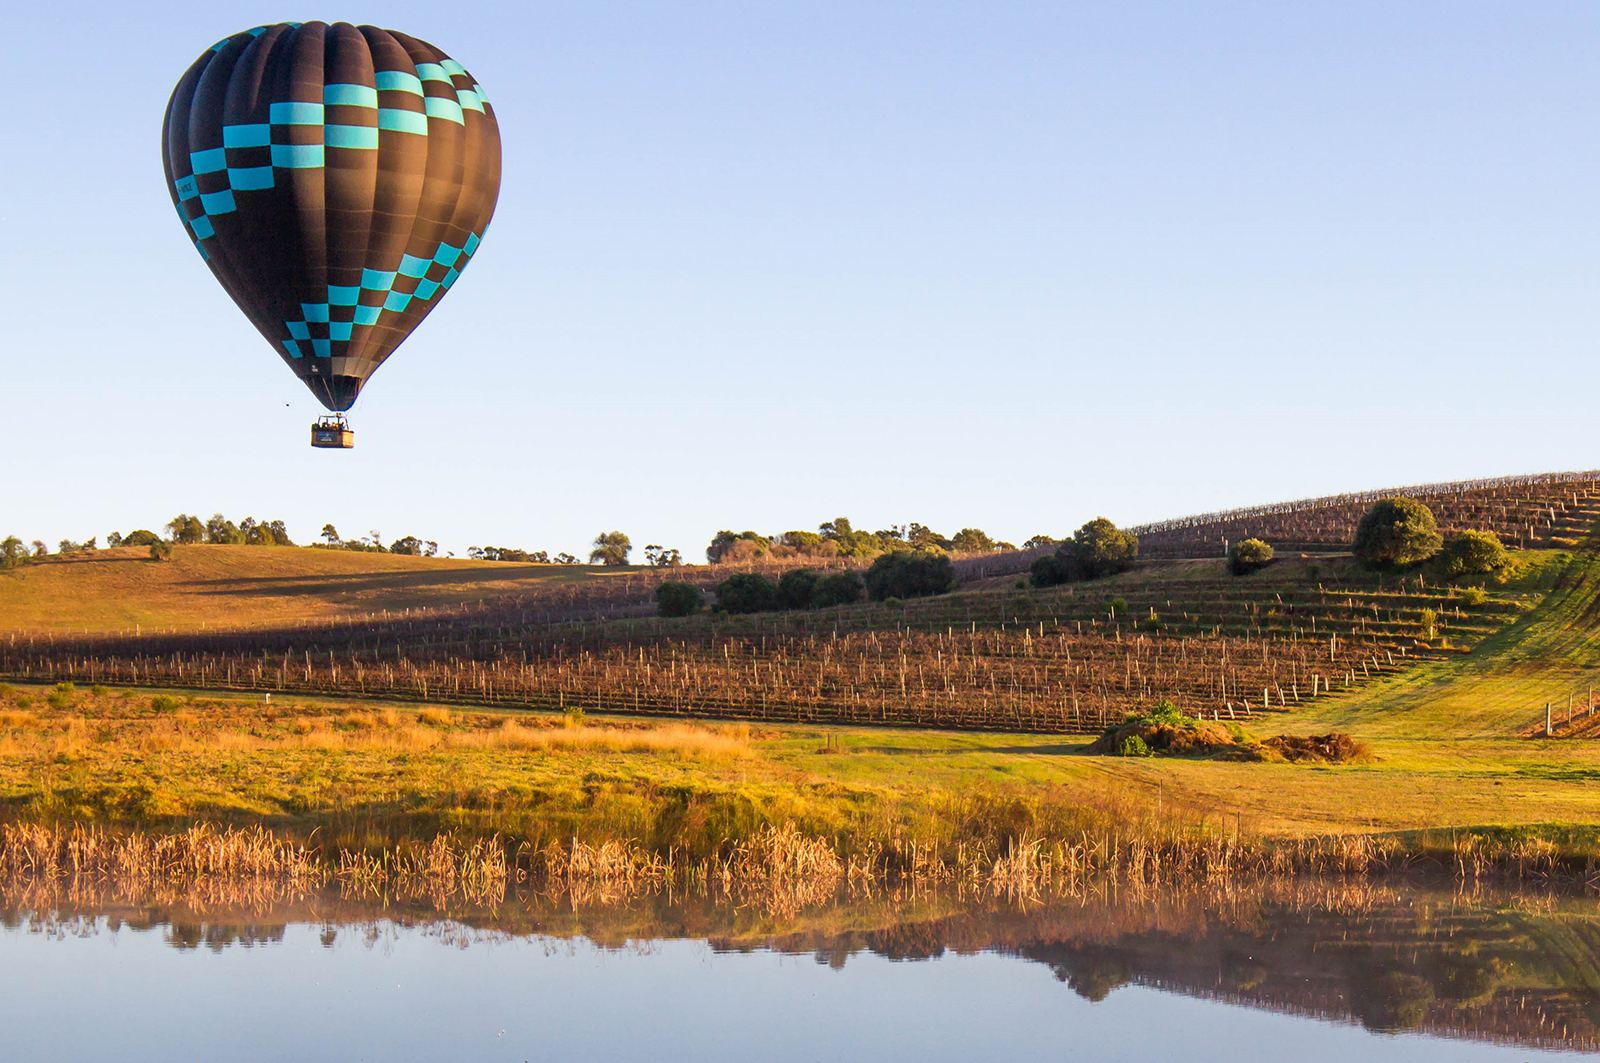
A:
{"x": 838, "y": 538}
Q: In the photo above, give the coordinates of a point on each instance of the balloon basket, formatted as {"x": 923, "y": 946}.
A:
{"x": 332, "y": 433}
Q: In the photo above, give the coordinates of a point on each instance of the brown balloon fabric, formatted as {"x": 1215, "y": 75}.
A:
{"x": 336, "y": 179}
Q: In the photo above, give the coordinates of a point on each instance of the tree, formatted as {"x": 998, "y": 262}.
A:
{"x": 839, "y": 588}
{"x": 39, "y": 548}
{"x": 657, "y": 556}
{"x": 972, "y": 541}
{"x": 808, "y": 544}
{"x": 1471, "y": 553}
{"x": 729, "y": 547}
{"x": 746, "y": 592}
{"x": 851, "y": 543}
{"x": 330, "y": 534}
{"x": 12, "y": 552}
{"x": 1248, "y": 555}
{"x": 186, "y": 530}
{"x": 1099, "y": 548}
{"x": 920, "y": 535}
{"x": 1102, "y": 548}
{"x": 610, "y": 548}
{"x": 1396, "y": 532}
{"x": 1038, "y": 542}
{"x": 797, "y": 587}
{"x": 160, "y": 551}
{"x": 221, "y": 530}
{"x": 677, "y": 599}
{"x": 564, "y": 558}
{"x": 910, "y": 574}
{"x": 409, "y": 546}
{"x": 114, "y": 539}
{"x": 140, "y": 537}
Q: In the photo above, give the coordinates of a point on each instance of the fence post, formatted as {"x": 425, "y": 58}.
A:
{"x": 1547, "y": 731}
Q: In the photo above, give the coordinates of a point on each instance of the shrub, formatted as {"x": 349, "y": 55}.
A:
{"x": 99, "y": 691}
{"x": 163, "y": 703}
{"x": 160, "y": 551}
{"x": 910, "y": 574}
{"x": 677, "y": 599}
{"x": 797, "y": 588}
{"x": 1475, "y": 553}
{"x": 1472, "y": 597}
{"x": 1396, "y": 532}
{"x": 1248, "y": 555}
{"x": 61, "y": 696}
{"x": 1118, "y": 606}
{"x": 841, "y": 588}
{"x": 747, "y": 592}
{"x": 1133, "y": 746}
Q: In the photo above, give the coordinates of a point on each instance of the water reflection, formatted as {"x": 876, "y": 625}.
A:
{"x": 1514, "y": 968}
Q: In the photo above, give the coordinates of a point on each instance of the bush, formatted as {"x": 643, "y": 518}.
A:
{"x": 1247, "y": 556}
{"x": 746, "y": 592}
{"x": 163, "y": 703}
{"x": 677, "y": 599}
{"x": 1471, "y": 553}
{"x": 1133, "y": 746}
{"x": 841, "y": 588}
{"x": 1396, "y": 532}
{"x": 910, "y": 574}
{"x": 160, "y": 551}
{"x": 1472, "y": 597}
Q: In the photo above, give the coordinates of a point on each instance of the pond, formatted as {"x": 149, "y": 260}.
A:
{"x": 1310, "y": 970}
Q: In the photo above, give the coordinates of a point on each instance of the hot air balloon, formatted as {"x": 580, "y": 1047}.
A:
{"x": 337, "y": 179}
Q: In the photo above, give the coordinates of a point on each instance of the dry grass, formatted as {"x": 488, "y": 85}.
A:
{"x": 684, "y": 740}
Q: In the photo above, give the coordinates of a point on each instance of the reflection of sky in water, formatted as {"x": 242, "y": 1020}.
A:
{"x": 389, "y": 993}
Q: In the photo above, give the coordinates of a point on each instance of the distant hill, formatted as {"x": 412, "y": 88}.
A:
{"x": 207, "y": 587}
{"x": 1544, "y": 510}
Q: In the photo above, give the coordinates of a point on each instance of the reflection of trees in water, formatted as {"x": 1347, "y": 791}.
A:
{"x": 1500, "y": 966}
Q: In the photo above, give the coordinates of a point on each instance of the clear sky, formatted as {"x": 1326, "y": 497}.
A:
{"x": 1011, "y": 265}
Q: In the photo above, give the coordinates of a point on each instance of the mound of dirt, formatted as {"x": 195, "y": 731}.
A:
{"x": 1335, "y": 747}
{"x": 1144, "y": 738}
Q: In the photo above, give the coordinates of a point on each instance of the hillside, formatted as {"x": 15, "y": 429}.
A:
{"x": 211, "y": 587}
{"x": 1544, "y": 510}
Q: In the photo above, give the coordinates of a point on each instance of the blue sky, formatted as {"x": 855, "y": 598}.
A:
{"x": 758, "y": 265}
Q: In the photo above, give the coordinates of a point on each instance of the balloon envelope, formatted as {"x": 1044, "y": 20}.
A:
{"x": 336, "y": 179}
